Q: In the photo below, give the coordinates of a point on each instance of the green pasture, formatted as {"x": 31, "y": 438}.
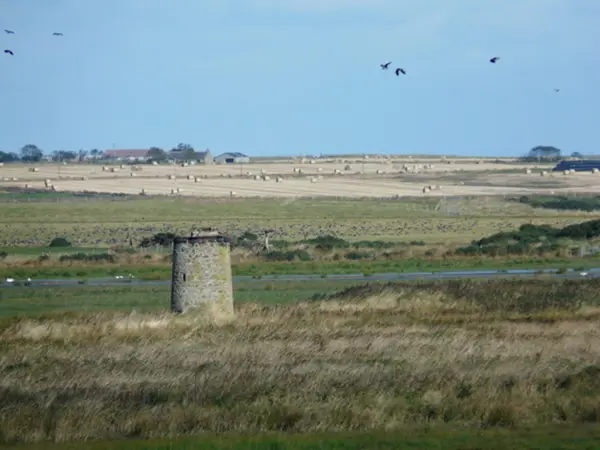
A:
{"x": 540, "y": 438}
{"x": 28, "y": 301}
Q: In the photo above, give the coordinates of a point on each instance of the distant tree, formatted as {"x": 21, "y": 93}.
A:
{"x": 63, "y": 155}
{"x": 157, "y": 154}
{"x": 8, "y": 157}
{"x": 184, "y": 152}
{"x": 31, "y": 153}
{"x": 544, "y": 153}
{"x": 576, "y": 155}
{"x": 81, "y": 155}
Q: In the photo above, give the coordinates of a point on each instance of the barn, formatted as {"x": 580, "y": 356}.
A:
{"x": 232, "y": 158}
{"x": 581, "y": 165}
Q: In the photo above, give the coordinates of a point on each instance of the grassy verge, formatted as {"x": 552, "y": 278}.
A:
{"x": 467, "y": 356}
{"x": 23, "y": 301}
{"x": 541, "y": 438}
{"x": 163, "y": 271}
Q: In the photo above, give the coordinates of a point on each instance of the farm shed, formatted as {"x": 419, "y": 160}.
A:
{"x": 232, "y": 158}
{"x": 582, "y": 165}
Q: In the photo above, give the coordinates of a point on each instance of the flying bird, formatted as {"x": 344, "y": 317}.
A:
{"x": 400, "y": 71}
{"x": 556, "y": 90}
{"x": 57, "y": 34}
{"x": 9, "y": 52}
{"x": 386, "y": 65}
{"x": 494, "y": 59}
{"x": 9, "y": 32}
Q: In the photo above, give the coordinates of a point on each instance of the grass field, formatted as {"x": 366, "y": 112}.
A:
{"x": 23, "y": 301}
{"x": 101, "y": 222}
{"x": 582, "y": 437}
{"x": 449, "y": 356}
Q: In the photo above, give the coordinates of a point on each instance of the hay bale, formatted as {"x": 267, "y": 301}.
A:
{"x": 544, "y": 173}
{"x": 143, "y": 191}
{"x": 347, "y": 167}
{"x": 313, "y": 180}
{"x": 184, "y": 164}
{"x": 320, "y": 169}
{"x": 155, "y": 163}
{"x": 122, "y": 166}
{"x": 266, "y": 178}
{"x": 528, "y": 171}
{"x": 34, "y": 169}
{"x": 114, "y": 169}
{"x": 257, "y": 177}
{"x": 1, "y": 164}
{"x": 190, "y": 177}
{"x": 594, "y": 170}
{"x": 426, "y": 190}
{"x": 566, "y": 172}
{"x": 232, "y": 193}
{"x": 171, "y": 177}
{"x": 278, "y": 179}
{"x": 27, "y": 186}
{"x": 131, "y": 174}
{"x": 104, "y": 168}
{"x": 197, "y": 180}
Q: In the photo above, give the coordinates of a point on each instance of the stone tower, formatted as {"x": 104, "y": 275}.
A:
{"x": 202, "y": 275}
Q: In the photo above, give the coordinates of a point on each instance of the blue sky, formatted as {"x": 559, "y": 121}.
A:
{"x": 291, "y": 77}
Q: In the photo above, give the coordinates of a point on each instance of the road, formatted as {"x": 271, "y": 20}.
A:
{"x": 405, "y": 276}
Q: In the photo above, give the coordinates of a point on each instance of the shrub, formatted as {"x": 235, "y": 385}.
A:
{"x": 158, "y": 240}
{"x": 59, "y": 242}
{"x": 3, "y": 255}
{"x": 95, "y": 257}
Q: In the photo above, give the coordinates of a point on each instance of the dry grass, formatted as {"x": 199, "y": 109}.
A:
{"x": 385, "y": 359}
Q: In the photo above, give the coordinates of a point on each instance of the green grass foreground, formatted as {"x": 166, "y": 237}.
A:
{"x": 163, "y": 271}
{"x": 24, "y": 301}
{"x": 543, "y": 438}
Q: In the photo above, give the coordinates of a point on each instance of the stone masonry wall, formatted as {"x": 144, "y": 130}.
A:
{"x": 201, "y": 276}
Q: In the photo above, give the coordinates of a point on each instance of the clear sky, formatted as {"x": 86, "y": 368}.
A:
{"x": 291, "y": 77}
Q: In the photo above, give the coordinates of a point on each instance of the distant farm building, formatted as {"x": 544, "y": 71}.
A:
{"x": 582, "y": 165}
{"x": 232, "y": 158}
{"x": 127, "y": 155}
{"x": 204, "y": 157}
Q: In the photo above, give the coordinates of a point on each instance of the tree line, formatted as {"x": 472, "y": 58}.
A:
{"x": 32, "y": 153}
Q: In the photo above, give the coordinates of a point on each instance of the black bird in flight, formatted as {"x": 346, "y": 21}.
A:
{"x": 386, "y": 65}
{"x": 556, "y": 90}
{"x": 9, "y": 32}
{"x": 57, "y": 34}
{"x": 400, "y": 71}
{"x": 494, "y": 59}
{"x": 9, "y": 52}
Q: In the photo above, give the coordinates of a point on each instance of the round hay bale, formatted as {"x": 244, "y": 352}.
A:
{"x": 197, "y": 180}
{"x": 257, "y": 177}
{"x": 594, "y": 170}
{"x": 266, "y": 178}
{"x": 171, "y": 177}
{"x": 143, "y": 191}
{"x": 543, "y": 173}
{"x": 131, "y": 174}
{"x": 114, "y": 169}
{"x": 104, "y": 168}
{"x": 232, "y": 193}
{"x": 528, "y": 171}
{"x": 279, "y": 179}
{"x": 313, "y": 180}
{"x": 190, "y": 177}
{"x": 320, "y": 169}
{"x": 426, "y": 189}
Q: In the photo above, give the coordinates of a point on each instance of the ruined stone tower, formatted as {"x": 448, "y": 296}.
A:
{"x": 202, "y": 275}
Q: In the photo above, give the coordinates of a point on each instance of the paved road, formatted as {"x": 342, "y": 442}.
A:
{"x": 405, "y": 276}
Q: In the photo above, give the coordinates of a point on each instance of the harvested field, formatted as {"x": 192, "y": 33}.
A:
{"x": 384, "y": 357}
{"x": 283, "y": 180}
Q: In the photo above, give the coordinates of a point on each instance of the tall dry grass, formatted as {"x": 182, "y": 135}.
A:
{"x": 381, "y": 357}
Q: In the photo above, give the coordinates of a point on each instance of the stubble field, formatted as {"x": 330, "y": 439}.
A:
{"x": 354, "y": 179}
